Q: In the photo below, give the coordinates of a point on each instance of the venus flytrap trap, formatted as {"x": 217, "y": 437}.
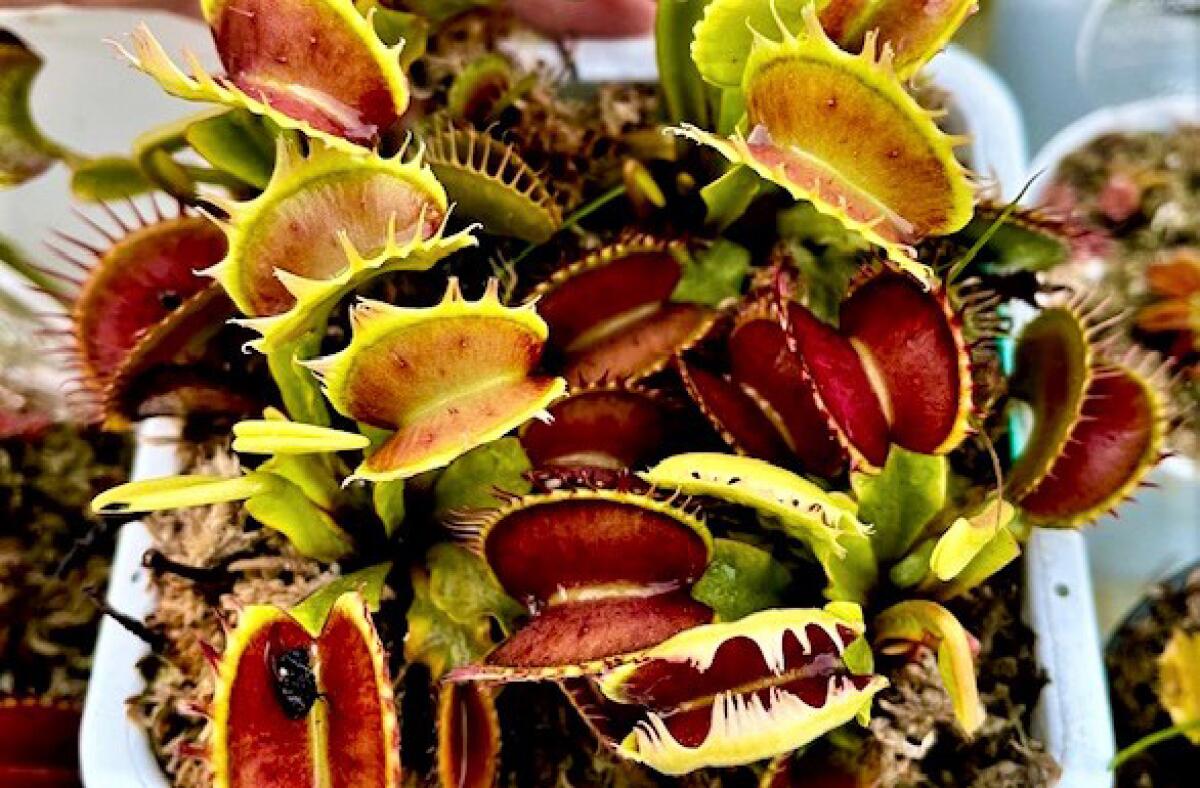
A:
{"x": 345, "y": 92}
{"x": 445, "y": 378}
{"x": 492, "y": 184}
{"x": 894, "y": 183}
{"x": 1099, "y": 418}
{"x": 723, "y": 694}
{"x": 605, "y": 330}
{"x": 321, "y": 725}
{"x": 724, "y": 428}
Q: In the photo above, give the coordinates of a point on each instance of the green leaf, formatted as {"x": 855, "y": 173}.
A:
{"x": 922, "y": 622}
{"x": 901, "y": 499}
{"x": 740, "y": 580}
{"x": 280, "y": 495}
{"x": 826, "y": 523}
{"x": 313, "y": 611}
{"x": 180, "y": 492}
{"x": 308, "y": 527}
{"x": 461, "y": 584}
{"x": 312, "y": 473}
{"x": 24, "y": 152}
{"x": 731, "y": 112}
{"x": 154, "y": 152}
{"x": 1002, "y": 550}
{"x": 803, "y": 223}
{"x": 388, "y": 499}
{"x": 967, "y": 536}
{"x": 298, "y": 387}
{"x": 859, "y": 658}
{"x": 1014, "y": 246}
{"x": 684, "y": 92}
{"x": 853, "y": 575}
{"x": 728, "y": 197}
{"x": 470, "y": 481}
{"x": 236, "y": 142}
{"x": 435, "y": 639}
{"x": 914, "y": 567}
{"x": 827, "y": 256}
{"x": 714, "y": 275}
{"x": 1179, "y": 678}
{"x": 108, "y": 178}
{"x": 280, "y": 436}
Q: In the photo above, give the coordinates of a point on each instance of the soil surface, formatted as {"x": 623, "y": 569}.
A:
{"x": 53, "y": 554}
{"x": 1132, "y": 661}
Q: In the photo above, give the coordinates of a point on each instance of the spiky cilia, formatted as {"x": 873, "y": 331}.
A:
{"x": 697, "y": 456}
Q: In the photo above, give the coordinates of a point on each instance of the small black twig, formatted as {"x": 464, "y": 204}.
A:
{"x": 155, "y": 641}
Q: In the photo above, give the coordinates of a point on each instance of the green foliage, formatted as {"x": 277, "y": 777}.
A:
{"x": 461, "y": 584}
{"x": 714, "y": 275}
{"x": 1002, "y": 550}
{"x": 728, "y": 197}
{"x": 442, "y": 10}
{"x": 470, "y": 481}
{"x": 925, "y": 623}
{"x": 454, "y": 604}
{"x": 826, "y": 255}
{"x": 725, "y": 35}
{"x": 236, "y": 142}
{"x": 394, "y": 26}
{"x": 313, "y": 611}
{"x": 854, "y": 573}
{"x": 1011, "y": 245}
{"x": 740, "y": 580}
{"x": 289, "y": 495}
{"x": 435, "y": 639}
{"x": 967, "y": 537}
{"x": 901, "y": 500}
{"x": 388, "y": 501}
{"x": 298, "y": 388}
{"x": 914, "y": 567}
{"x": 108, "y": 178}
{"x": 686, "y": 96}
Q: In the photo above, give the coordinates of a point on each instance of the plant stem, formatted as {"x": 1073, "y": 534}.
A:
{"x": 975, "y": 249}
{"x": 1141, "y": 745}
{"x": 593, "y": 206}
{"x": 582, "y": 213}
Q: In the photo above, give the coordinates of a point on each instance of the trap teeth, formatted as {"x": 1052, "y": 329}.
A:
{"x": 1099, "y": 423}
{"x": 443, "y": 379}
{"x": 725, "y": 694}
{"x": 347, "y": 92}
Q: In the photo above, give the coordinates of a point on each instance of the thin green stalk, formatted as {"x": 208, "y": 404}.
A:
{"x": 575, "y": 218}
{"x": 587, "y": 210}
{"x": 975, "y": 249}
{"x": 1141, "y": 745}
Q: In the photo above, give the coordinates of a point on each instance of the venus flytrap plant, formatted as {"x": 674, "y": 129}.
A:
{"x": 688, "y": 407}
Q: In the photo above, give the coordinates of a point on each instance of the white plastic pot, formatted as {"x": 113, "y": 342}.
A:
{"x": 1159, "y": 534}
{"x": 1074, "y": 720}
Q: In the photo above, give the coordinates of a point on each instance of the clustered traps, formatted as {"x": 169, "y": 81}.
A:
{"x": 688, "y": 407}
